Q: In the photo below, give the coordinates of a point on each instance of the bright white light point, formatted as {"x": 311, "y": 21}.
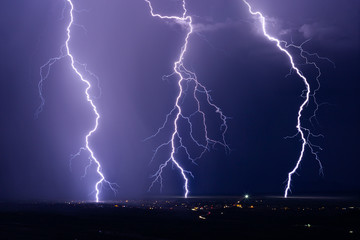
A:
{"x": 246, "y": 196}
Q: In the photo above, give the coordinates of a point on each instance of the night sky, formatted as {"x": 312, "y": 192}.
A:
{"x": 130, "y": 51}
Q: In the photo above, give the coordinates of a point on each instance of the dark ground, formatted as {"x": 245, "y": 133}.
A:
{"x": 195, "y": 218}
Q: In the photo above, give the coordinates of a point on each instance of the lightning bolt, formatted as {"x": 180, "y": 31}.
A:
{"x": 304, "y": 133}
{"x": 44, "y": 74}
{"x": 185, "y": 77}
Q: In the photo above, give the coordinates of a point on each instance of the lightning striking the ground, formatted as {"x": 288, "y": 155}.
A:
{"x": 185, "y": 79}
{"x": 304, "y": 133}
{"x": 44, "y": 74}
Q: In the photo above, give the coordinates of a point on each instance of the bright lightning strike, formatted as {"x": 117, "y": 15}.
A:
{"x": 44, "y": 74}
{"x": 185, "y": 77}
{"x": 305, "y": 133}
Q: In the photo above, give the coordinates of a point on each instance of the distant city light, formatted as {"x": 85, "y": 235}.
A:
{"x": 246, "y": 196}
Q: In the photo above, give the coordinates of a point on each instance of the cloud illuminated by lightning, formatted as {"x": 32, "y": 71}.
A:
{"x": 304, "y": 133}
{"x": 44, "y": 74}
{"x": 185, "y": 77}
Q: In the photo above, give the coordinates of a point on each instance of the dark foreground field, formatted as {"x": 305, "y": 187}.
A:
{"x": 236, "y": 218}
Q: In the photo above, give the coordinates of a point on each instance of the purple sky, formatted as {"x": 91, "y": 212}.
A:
{"x": 130, "y": 52}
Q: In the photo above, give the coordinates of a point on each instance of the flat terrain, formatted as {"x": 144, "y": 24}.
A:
{"x": 195, "y": 218}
